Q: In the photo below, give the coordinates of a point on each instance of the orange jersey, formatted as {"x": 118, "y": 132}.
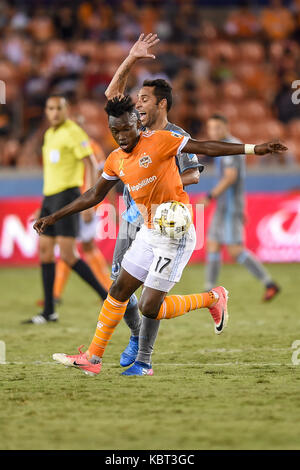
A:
{"x": 149, "y": 171}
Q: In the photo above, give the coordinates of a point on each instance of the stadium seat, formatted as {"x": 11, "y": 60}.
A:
{"x": 254, "y": 109}
{"x": 274, "y": 129}
{"x": 233, "y": 89}
{"x": 221, "y": 48}
{"x": 293, "y": 129}
{"x": 229, "y": 109}
{"x": 228, "y": 50}
{"x": 206, "y": 91}
{"x": 252, "y": 51}
{"x": 205, "y": 110}
{"x": 90, "y": 110}
{"x": 86, "y": 48}
{"x": 276, "y": 50}
{"x": 53, "y": 48}
{"x": 241, "y": 129}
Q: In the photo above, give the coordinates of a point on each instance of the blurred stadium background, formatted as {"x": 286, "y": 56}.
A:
{"x": 236, "y": 57}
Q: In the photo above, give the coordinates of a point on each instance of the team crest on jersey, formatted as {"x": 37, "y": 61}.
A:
{"x": 145, "y": 160}
{"x": 148, "y": 133}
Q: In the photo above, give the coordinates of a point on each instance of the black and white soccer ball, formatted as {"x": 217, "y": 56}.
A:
{"x": 172, "y": 219}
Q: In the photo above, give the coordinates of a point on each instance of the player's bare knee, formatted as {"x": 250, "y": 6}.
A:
{"x": 69, "y": 258}
{"x": 148, "y": 308}
{"x": 234, "y": 250}
{"x": 118, "y": 290}
{"x": 87, "y": 246}
{"x": 46, "y": 254}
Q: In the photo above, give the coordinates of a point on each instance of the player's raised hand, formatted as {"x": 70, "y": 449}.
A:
{"x": 140, "y": 49}
{"x": 270, "y": 147}
{"x": 41, "y": 224}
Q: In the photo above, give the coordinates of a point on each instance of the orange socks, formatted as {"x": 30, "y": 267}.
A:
{"x": 62, "y": 272}
{"x": 110, "y": 316}
{"x": 98, "y": 265}
{"x": 177, "y": 305}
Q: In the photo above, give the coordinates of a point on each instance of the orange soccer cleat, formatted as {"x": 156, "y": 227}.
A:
{"x": 271, "y": 291}
{"x": 80, "y": 361}
{"x": 219, "y": 310}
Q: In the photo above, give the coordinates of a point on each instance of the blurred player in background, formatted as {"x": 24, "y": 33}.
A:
{"x": 87, "y": 235}
{"x": 153, "y": 104}
{"x": 227, "y": 225}
{"x": 67, "y": 154}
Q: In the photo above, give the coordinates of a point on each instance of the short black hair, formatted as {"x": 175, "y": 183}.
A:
{"x": 118, "y": 106}
{"x": 162, "y": 90}
{"x": 219, "y": 117}
{"x": 56, "y": 95}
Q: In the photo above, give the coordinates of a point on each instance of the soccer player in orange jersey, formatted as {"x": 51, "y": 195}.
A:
{"x": 154, "y": 101}
{"x": 146, "y": 262}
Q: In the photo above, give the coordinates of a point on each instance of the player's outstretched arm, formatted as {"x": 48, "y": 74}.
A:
{"x": 88, "y": 199}
{"x": 217, "y": 149}
{"x": 138, "y": 51}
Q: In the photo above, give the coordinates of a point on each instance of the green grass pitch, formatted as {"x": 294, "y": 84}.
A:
{"x": 239, "y": 390}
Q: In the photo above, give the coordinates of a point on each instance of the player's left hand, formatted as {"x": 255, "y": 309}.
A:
{"x": 270, "y": 147}
{"x": 140, "y": 49}
{"x": 41, "y": 224}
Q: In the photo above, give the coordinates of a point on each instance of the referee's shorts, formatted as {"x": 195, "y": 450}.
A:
{"x": 68, "y": 226}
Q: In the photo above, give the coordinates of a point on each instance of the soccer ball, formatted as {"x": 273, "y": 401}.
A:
{"x": 172, "y": 219}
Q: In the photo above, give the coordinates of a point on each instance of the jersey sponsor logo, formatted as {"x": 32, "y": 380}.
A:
{"x": 175, "y": 134}
{"x": 220, "y": 326}
{"x": 141, "y": 184}
{"x": 145, "y": 160}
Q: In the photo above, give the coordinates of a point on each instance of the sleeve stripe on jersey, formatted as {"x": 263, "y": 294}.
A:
{"x": 109, "y": 177}
{"x": 183, "y": 143}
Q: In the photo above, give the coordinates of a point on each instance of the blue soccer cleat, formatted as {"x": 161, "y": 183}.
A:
{"x": 129, "y": 354}
{"x": 139, "y": 368}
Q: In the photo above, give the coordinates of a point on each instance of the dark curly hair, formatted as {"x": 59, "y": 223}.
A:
{"x": 118, "y": 106}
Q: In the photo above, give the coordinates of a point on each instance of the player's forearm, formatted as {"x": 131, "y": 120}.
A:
{"x": 88, "y": 199}
{"x": 190, "y": 176}
{"x": 91, "y": 171}
{"x": 119, "y": 80}
{"x": 223, "y": 184}
{"x": 213, "y": 148}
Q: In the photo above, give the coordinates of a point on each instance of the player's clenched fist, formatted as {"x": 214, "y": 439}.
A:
{"x": 270, "y": 147}
{"x": 41, "y": 224}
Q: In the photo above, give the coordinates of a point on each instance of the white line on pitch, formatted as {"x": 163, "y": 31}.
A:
{"x": 171, "y": 364}
{"x": 229, "y": 351}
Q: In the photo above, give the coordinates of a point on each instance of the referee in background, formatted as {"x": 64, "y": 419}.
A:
{"x": 67, "y": 157}
{"x": 227, "y": 225}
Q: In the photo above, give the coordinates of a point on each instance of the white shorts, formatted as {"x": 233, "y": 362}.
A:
{"x": 87, "y": 231}
{"x": 158, "y": 261}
